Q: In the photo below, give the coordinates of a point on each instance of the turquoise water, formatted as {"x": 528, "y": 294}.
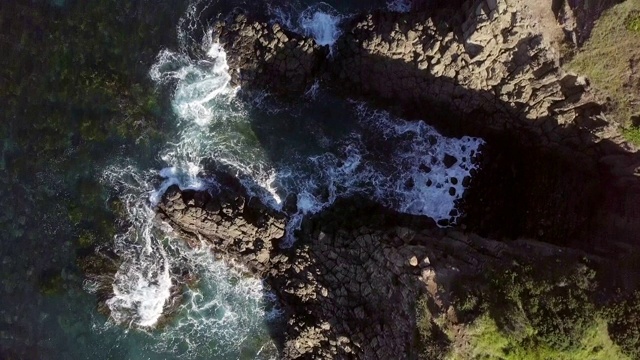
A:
{"x": 88, "y": 127}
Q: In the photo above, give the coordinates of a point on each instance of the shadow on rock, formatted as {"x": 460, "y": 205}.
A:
{"x": 553, "y": 167}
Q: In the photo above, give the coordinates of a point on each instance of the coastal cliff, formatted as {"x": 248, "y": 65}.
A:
{"x": 350, "y": 285}
{"x": 482, "y": 68}
{"x": 558, "y": 188}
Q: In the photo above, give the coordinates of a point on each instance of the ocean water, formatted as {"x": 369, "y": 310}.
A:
{"x": 307, "y": 154}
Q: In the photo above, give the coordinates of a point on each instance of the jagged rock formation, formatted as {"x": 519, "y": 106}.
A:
{"x": 478, "y": 67}
{"x": 268, "y": 56}
{"x": 485, "y": 58}
{"x": 232, "y": 221}
{"x": 350, "y": 284}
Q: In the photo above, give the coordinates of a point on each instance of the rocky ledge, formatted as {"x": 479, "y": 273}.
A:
{"x": 554, "y": 169}
{"x": 477, "y": 67}
{"x": 350, "y": 284}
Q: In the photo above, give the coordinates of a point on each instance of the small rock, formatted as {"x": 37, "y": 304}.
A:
{"x": 413, "y": 261}
{"x": 449, "y": 160}
{"x": 426, "y": 262}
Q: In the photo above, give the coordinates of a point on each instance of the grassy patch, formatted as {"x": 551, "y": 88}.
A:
{"x": 488, "y": 342}
{"x": 607, "y": 56}
{"x": 633, "y": 22}
{"x": 433, "y": 344}
{"x": 632, "y": 134}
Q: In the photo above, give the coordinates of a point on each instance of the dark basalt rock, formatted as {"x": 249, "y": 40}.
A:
{"x": 471, "y": 67}
{"x": 270, "y": 57}
{"x": 233, "y": 222}
{"x": 350, "y": 283}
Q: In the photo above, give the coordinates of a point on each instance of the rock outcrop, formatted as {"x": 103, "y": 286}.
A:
{"x": 236, "y": 224}
{"x": 349, "y": 285}
{"x": 484, "y": 60}
{"x": 476, "y": 67}
{"x": 268, "y": 56}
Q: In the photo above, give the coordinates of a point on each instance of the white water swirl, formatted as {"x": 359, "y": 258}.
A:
{"x": 226, "y": 311}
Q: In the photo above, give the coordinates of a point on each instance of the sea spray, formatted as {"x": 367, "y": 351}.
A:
{"x": 320, "y": 22}
{"x": 405, "y": 165}
{"x": 321, "y": 25}
{"x": 224, "y": 314}
{"x": 429, "y": 172}
{"x": 142, "y": 284}
{"x": 226, "y": 308}
{"x": 217, "y": 317}
{"x": 401, "y": 6}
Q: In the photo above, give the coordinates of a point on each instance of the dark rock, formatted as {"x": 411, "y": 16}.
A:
{"x": 350, "y": 283}
{"x": 449, "y": 160}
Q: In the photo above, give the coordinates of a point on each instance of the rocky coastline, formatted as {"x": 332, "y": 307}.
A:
{"x": 557, "y": 181}
{"x": 481, "y": 68}
{"x": 350, "y": 284}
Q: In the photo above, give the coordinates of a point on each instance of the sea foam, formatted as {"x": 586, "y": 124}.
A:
{"x": 405, "y": 165}
{"x": 320, "y": 21}
{"x": 224, "y": 314}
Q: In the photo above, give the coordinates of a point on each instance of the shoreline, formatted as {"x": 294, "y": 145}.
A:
{"x": 550, "y": 187}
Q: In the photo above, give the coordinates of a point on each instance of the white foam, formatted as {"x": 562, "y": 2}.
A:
{"x": 312, "y": 91}
{"x": 322, "y": 26}
{"x": 226, "y": 309}
{"x": 199, "y": 83}
{"x": 402, "y": 6}
{"x": 320, "y": 21}
{"x": 412, "y": 178}
{"x": 142, "y": 284}
{"x": 421, "y": 183}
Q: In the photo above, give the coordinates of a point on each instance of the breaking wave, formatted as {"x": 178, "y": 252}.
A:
{"x": 320, "y": 21}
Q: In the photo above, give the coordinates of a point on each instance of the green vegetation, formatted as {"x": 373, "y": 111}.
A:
{"x": 633, "y": 21}
{"x": 540, "y": 311}
{"x": 624, "y": 324}
{"x": 433, "y": 342}
{"x": 632, "y": 134}
{"x": 489, "y": 342}
{"x": 609, "y": 61}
